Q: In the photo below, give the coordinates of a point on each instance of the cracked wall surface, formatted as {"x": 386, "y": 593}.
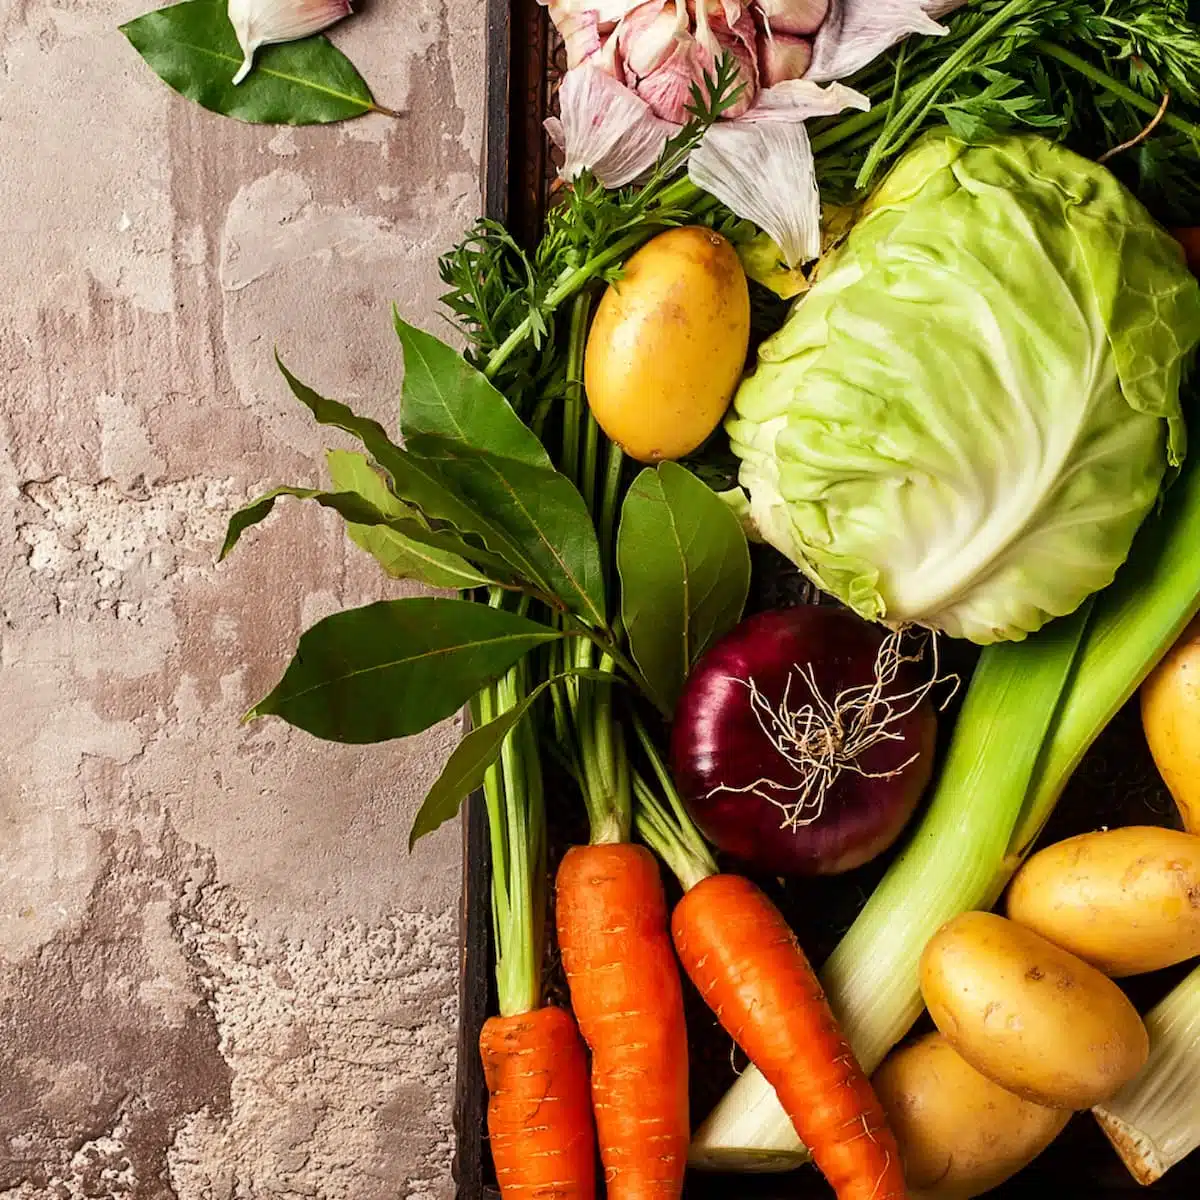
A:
{"x": 221, "y": 974}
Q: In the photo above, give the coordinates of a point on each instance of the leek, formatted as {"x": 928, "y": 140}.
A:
{"x": 985, "y": 795}
{"x": 1154, "y": 1121}
{"x": 1137, "y": 620}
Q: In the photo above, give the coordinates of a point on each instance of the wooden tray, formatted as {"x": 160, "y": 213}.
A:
{"x": 1116, "y": 785}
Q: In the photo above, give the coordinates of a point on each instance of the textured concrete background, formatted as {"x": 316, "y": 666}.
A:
{"x": 220, "y": 973}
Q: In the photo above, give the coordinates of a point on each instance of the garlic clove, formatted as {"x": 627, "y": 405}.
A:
{"x": 782, "y": 56}
{"x": 580, "y": 33}
{"x": 649, "y": 35}
{"x": 263, "y": 22}
{"x": 797, "y": 17}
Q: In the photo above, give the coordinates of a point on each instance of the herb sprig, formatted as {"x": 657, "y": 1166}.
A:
{"x": 1092, "y": 74}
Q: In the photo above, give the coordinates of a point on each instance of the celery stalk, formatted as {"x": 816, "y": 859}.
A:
{"x": 1134, "y": 623}
{"x": 948, "y": 867}
{"x": 1154, "y": 1122}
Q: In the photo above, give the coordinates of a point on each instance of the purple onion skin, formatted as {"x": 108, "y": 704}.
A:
{"x": 716, "y": 741}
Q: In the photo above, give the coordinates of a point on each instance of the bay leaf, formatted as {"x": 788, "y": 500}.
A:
{"x": 466, "y": 768}
{"x": 410, "y": 479}
{"x": 470, "y": 490}
{"x": 396, "y": 667}
{"x": 685, "y": 574}
{"x": 400, "y": 556}
{"x": 192, "y": 47}
{"x": 456, "y": 421}
{"x": 358, "y": 511}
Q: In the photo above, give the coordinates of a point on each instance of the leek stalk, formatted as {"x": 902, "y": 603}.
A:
{"x": 1154, "y": 1121}
{"x": 1137, "y": 620}
{"x": 871, "y": 976}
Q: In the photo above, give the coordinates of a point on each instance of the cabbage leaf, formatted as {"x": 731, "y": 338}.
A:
{"x": 966, "y": 419}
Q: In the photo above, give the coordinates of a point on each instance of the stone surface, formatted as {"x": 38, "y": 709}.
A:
{"x": 221, "y": 975}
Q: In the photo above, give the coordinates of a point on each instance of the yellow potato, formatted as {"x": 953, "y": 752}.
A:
{"x": 1171, "y": 719}
{"x": 1028, "y": 1015}
{"x": 960, "y": 1134}
{"x": 668, "y": 344}
{"x": 1125, "y": 900}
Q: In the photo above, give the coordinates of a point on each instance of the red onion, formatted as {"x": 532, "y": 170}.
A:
{"x": 803, "y": 741}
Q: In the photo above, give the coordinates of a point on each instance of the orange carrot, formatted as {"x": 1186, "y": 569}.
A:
{"x": 539, "y": 1114}
{"x": 628, "y": 999}
{"x": 745, "y": 961}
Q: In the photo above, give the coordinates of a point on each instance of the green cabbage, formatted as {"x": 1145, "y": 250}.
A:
{"x": 966, "y": 419}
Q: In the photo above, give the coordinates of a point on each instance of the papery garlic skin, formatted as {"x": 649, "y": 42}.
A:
{"x": 263, "y": 22}
{"x": 762, "y": 168}
{"x": 606, "y": 128}
{"x": 856, "y": 32}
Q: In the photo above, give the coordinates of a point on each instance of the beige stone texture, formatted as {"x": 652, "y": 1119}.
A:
{"x": 222, "y": 977}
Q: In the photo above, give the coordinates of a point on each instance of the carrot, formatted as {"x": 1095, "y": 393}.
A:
{"x": 628, "y": 999}
{"x": 745, "y": 961}
{"x": 539, "y": 1111}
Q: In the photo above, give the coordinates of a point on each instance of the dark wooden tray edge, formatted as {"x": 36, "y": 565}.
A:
{"x": 513, "y": 158}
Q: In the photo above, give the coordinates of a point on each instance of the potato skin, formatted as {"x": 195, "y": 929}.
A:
{"x": 1028, "y": 1015}
{"x": 1125, "y": 900}
{"x": 960, "y": 1134}
{"x": 668, "y": 344}
{"x": 1170, "y": 700}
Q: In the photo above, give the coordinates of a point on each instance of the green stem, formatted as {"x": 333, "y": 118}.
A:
{"x": 603, "y": 773}
{"x": 513, "y": 792}
{"x": 574, "y": 407}
{"x": 925, "y": 94}
{"x": 519, "y": 978}
{"x": 655, "y": 828}
{"x": 605, "y": 643}
{"x": 591, "y": 455}
{"x": 526, "y": 739}
{"x": 558, "y": 700}
{"x": 681, "y": 823}
{"x": 483, "y": 711}
{"x": 849, "y": 126}
{"x": 1102, "y": 79}
{"x": 901, "y": 59}
{"x": 610, "y": 495}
